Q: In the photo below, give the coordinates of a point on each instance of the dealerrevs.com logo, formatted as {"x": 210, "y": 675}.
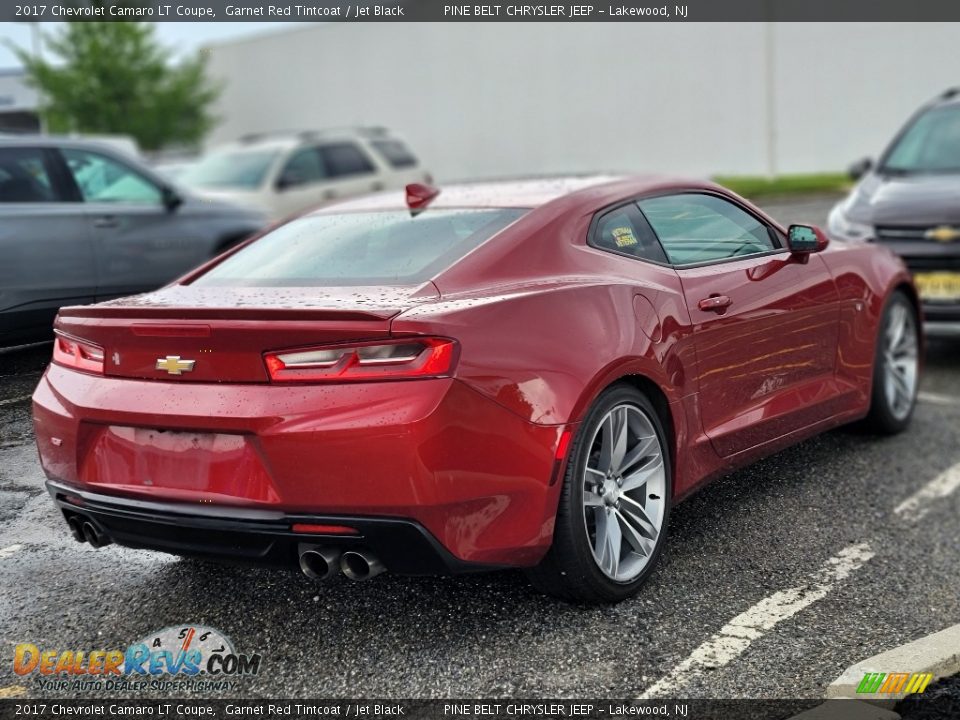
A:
{"x": 177, "y": 658}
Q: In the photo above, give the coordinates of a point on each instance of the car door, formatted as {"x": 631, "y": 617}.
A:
{"x": 765, "y": 321}
{"x": 45, "y": 246}
{"x": 302, "y": 182}
{"x": 140, "y": 241}
{"x": 350, "y": 170}
{"x": 319, "y": 173}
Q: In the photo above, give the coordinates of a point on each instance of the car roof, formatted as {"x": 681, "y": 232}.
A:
{"x": 253, "y": 146}
{"x": 591, "y": 191}
{"x": 289, "y": 139}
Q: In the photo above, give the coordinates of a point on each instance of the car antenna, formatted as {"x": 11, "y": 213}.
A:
{"x": 419, "y": 195}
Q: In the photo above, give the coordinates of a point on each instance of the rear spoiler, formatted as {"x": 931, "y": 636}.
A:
{"x": 146, "y": 312}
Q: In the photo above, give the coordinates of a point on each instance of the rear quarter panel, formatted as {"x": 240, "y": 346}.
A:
{"x": 536, "y": 352}
{"x": 546, "y": 350}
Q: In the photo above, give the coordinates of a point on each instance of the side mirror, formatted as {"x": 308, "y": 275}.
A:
{"x": 171, "y": 198}
{"x": 806, "y": 239}
{"x": 860, "y": 168}
{"x": 289, "y": 179}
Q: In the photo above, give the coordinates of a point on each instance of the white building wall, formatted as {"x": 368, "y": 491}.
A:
{"x": 15, "y": 95}
{"x": 847, "y": 96}
{"x": 491, "y": 99}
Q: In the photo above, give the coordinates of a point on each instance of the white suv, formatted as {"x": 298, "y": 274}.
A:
{"x": 285, "y": 173}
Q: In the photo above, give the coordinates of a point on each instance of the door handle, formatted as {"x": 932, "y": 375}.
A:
{"x": 329, "y": 194}
{"x": 715, "y": 303}
{"x": 105, "y": 221}
{"x": 377, "y": 187}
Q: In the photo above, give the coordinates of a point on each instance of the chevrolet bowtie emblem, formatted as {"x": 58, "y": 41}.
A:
{"x": 174, "y": 365}
{"x": 944, "y": 234}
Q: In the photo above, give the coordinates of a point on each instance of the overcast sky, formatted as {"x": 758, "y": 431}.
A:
{"x": 183, "y": 36}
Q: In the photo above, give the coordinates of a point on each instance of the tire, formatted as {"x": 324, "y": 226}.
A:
{"x": 897, "y": 353}
{"x": 572, "y": 569}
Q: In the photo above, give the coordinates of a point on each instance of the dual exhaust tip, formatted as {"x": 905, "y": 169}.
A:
{"x": 85, "y": 531}
{"x": 317, "y": 563}
{"x": 323, "y": 563}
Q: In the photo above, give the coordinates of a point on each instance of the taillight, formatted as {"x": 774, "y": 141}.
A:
{"x": 408, "y": 358}
{"x": 77, "y": 354}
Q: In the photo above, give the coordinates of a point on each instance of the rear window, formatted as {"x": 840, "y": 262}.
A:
{"x": 395, "y": 153}
{"x": 380, "y": 248}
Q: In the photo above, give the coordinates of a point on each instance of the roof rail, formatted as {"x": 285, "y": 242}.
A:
{"x": 264, "y": 134}
{"x": 366, "y": 131}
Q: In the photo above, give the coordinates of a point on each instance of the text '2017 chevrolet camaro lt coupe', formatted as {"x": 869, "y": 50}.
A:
{"x": 517, "y": 374}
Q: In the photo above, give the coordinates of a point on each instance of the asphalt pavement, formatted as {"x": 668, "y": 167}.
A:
{"x": 774, "y": 580}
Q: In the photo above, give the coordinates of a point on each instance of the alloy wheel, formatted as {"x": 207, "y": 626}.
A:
{"x": 900, "y": 355}
{"x": 624, "y": 492}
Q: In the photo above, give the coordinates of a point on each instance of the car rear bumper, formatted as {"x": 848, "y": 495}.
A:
{"x": 432, "y": 455}
{"x": 260, "y": 537}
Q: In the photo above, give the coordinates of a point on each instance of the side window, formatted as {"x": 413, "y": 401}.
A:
{"x": 695, "y": 228}
{"x": 625, "y": 231}
{"x": 395, "y": 153}
{"x": 304, "y": 166}
{"x": 103, "y": 179}
{"x": 24, "y": 176}
{"x": 343, "y": 159}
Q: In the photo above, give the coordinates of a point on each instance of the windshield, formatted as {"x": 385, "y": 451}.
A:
{"x": 374, "y": 248}
{"x": 930, "y": 144}
{"x": 244, "y": 170}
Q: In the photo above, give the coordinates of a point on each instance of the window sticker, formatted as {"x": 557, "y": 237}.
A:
{"x": 624, "y": 237}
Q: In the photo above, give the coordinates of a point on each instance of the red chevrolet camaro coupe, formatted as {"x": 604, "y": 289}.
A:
{"x": 513, "y": 374}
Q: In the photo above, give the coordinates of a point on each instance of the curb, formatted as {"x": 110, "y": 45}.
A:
{"x": 937, "y": 654}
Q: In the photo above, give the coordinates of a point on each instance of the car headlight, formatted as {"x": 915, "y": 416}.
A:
{"x": 843, "y": 227}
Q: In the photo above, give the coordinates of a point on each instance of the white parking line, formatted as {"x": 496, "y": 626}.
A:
{"x": 735, "y": 637}
{"x": 8, "y": 551}
{"x": 11, "y": 401}
{"x": 921, "y": 502}
{"x": 937, "y": 399}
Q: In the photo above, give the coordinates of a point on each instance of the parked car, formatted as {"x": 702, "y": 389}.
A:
{"x": 172, "y": 169}
{"x": 525, "y": 374}
{"x": 285, "y": 173}
{"x": 909, "y": 201}
{"x": 81, "y": 222}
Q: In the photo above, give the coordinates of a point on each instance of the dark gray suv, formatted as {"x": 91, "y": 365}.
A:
{"x": 81, "y": 222}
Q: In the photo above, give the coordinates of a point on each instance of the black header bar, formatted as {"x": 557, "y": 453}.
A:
{"x": 339, "y": 709}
